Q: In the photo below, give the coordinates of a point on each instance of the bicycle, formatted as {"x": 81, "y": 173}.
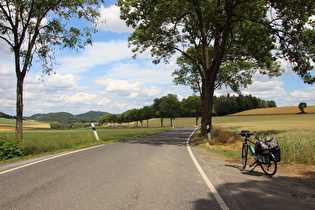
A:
{"x": 267, "y": 162}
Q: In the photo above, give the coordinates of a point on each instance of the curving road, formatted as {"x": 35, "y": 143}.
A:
{"x": 154, "y": 172}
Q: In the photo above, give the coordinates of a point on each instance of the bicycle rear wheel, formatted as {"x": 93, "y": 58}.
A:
{"x": 271, "y": 167}
{"x": 244, "y": 154}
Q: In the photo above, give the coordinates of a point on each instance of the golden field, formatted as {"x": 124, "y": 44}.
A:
{"x": 277, "y": 110}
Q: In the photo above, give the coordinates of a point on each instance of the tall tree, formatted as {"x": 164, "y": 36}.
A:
{"x": 252, "y": 30}
{"x": 192, "y": 106}
{"x": 29, "y": 32}
{"x": 170, "y": 106}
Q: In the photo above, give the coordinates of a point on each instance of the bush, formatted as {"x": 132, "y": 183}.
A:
{"x": 55, "y": 125}
{"x": 10, "y": 149}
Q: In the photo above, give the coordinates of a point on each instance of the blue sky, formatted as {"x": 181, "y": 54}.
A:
{"x": 105, "y": 77}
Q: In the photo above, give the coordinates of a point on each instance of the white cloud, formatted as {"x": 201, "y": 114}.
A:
{"x": 128, "y": 89}
{"x": 84, "y": 98}
{"x": 100, "y": 53}
{"x": 54, "y": 83}
{"x": 141, "y": 70}
{"x": 110, "y": 20}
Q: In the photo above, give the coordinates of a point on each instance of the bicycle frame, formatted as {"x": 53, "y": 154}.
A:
{"x": 269, "y": 167}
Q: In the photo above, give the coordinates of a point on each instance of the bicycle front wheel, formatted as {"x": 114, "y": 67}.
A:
{"x": 244, "y": 154}
{"x": 271, "y": 167}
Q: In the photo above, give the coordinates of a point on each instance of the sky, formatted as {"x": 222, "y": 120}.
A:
{"x": 105, "y": 77}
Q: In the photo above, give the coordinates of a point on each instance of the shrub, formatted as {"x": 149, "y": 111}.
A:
{"x": 302, "y": 106}
{"x": 10, "y": 149}
{"x": 55, "y": 125}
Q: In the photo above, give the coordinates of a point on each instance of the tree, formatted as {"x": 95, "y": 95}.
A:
{"x": 106, "y": 118}
{"x": 170, "y": 106}
{"x": 192, "y": 107}
{"x": 302, "y": 106}
{"x": 29, "y": 32}
{"x": 258, "y": 32}
{"x": 147, "y": 113}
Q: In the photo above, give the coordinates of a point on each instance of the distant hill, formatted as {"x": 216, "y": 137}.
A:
{"x": 62, "y": 117}
{"x": 66, "y": 117}
{"x": 91, "y": 116}
{"x": 277, "y": 110}
{"x": 3, "y": 115}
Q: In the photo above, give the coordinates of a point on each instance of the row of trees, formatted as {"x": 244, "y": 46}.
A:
{"x": 170, "y": 107}
{"x": 225, "y": 105}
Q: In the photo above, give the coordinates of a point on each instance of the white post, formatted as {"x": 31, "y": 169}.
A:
{"x": 94, "y": 130}
{"x": 208, "y": 131}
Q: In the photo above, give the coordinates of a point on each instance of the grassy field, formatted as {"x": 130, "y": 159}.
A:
{"x": 46, "y": 141}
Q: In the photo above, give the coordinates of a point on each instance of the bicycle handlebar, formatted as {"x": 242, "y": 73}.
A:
{"x": 246, "y": 133}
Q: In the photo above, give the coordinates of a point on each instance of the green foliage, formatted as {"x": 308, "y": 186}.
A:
{"x": 107, "y": 118}
{"x": 233, "y": 74}
{"x": 58, "y": 125}
{"x": 55, "y": 125}
{"x": 302, "y": 106}
{"x": 225, "y": 105}
{"x": 10, "y": 148}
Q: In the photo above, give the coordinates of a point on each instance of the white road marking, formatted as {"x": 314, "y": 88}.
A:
{"x": 50, "y": 158}
{"x": 204, "y": 176}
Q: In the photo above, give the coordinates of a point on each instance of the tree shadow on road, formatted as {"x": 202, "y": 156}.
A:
{"x": 176, "y": 137}
{"x": 271, "y": 193}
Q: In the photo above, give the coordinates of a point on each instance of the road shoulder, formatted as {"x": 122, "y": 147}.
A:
{"x": 251, "y": 189}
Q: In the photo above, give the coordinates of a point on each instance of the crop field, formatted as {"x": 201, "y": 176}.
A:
{"x": 295, "y": 133}
{"x": 277, "y": 111}
{"x": 9, "y": 124}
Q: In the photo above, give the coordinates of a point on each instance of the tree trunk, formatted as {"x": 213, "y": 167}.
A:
{"x": 19, "y": 98}
{"x": 197, "y": 120}
{"x": 205, "y": 107}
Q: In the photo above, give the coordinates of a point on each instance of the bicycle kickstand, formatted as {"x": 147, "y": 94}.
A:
{"x": 255, "y": 163}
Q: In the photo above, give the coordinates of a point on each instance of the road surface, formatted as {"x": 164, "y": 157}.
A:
{"x": 155, "y": 172}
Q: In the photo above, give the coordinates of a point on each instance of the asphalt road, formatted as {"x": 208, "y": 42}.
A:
{"x": 154, "y": 172}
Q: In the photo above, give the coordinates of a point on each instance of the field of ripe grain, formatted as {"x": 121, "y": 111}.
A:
{"x": 277, "y": 111}
{"x": 9, "y": 124}
{"x": 295, "y": 132}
